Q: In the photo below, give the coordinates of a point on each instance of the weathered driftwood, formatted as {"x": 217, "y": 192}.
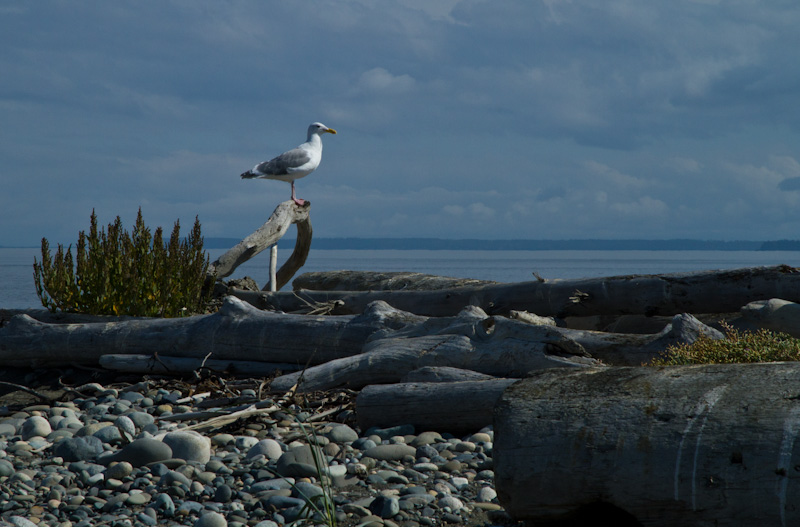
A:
{"x": 444, "y": 374}
{"x": 284, "y": 215}
{"x": 491, "y": 345}
{"x": 457, "y": 407}
{"x": 667, "y": 294}
{"x": 775, "y": 314}
{"x": 236, "y": 332}
{"x": 156, "y": 363}
{"x": 379, "y": 281}
{"x": 689, "y": 445}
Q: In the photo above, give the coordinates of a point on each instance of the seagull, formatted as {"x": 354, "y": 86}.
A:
{"x": 296, "y": 163}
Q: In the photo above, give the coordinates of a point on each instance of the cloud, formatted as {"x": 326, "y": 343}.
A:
{"x": 378, "y": 80}
{"x": 456, "y": 118}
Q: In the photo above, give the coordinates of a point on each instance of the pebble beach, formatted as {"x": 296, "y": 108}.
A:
{"x": 216, "y": 453}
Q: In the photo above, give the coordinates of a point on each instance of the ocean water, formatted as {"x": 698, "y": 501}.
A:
{"x": 17, "y": 289}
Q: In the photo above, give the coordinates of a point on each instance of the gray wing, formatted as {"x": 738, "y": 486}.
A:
{"x": 281, "y": 165}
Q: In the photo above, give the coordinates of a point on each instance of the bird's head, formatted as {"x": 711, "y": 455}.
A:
{"x": 319, "y": 129}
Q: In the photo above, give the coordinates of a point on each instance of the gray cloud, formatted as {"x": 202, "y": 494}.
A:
{"x": 540, "y": 119}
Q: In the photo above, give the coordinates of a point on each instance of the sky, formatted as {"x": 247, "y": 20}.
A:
{"x": 488, "y": 119}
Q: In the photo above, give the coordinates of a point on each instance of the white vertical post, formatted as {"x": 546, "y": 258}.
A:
{"x": 273, "y": 265}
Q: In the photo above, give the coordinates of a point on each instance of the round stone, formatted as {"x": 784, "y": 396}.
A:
{"x": 222, "y": 439}
{"x": 140, "y": 419}
{"x": 78, "y": 448}
{"x": 6, "y": 468}
{"x": 245, "y": 442}
{"x": 452, "y": 502}
{"x": 486, "y": 494}
{"x": 385, "y": 506}
{"x": 394, "y": 452}
{"x": 141, "y": 452}
{"x": 341, "y": 433}
{"x": 223, "y": 494}
{"x": 426, "y": 438}
{"x": 189, "y": 445}
{"x": 126, "y": 425}
{"x": 109, "y": 434}
{"x": 7, "y": 430}
{"x": 35, "y": 426}
{"x": 119, "y": 470}
{"x": 269, "y": 448}
{"x": 211, "y": 519}
{"x": 297, "y": 462}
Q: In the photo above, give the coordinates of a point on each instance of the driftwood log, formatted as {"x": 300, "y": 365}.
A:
{"x": 379, "y": 281}
{"x": 164, "y": 364}
{"x": 494, "y": 346}
{"x": 460, "y": 407}
{"x": 285, "y": 214}
{"x": 667, "y": 294}
{"x": 237, "y": 331}
{"x": 381, "y": 345}
{"x": 684, "y": 445}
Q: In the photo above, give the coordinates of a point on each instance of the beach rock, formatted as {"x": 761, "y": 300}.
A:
{"x": 141, "y": 419}
{"x": 141, "y": 452}
{"x": 385, "y": 506}
{"x": 6, "y": 468}
{"x": 78, "y": 448}
{"x": 119, "y": 470}
{"x": 211, "y": 519}
{"x": 390, "y": 452}
{"x": 269, "y": 448}
{"x": 126, "y": 425}
{"x": 341, "y": 433}
{"x": 109, "y": 434}
{"x": 297, "y": 462}
{"x": 7, "y": 429}
{"x": 189, "y": 445}
{"x": 36, "y": 426}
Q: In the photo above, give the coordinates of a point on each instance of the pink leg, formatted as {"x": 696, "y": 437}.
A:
{"x": 300, "y": 202}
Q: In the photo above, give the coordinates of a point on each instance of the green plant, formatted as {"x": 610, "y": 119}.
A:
{"x": 121, "y": 273}
{"x": 737, "y": 347}
{"x": 320, "y": 506}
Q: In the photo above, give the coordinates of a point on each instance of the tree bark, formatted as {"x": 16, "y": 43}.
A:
{"x": 683, "y": 445}
{"x": 456, "y": 407}
{"x": 667, "y": 294}
{"x": 284, "y": 215}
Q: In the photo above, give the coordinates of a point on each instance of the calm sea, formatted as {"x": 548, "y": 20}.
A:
{"x": 17, "y": 290}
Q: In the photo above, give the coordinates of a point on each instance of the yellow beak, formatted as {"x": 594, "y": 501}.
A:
{"x": 331, "y": 131}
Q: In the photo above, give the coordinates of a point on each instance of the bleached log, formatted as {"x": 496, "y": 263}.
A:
{"x": 668, "y": 294}
{"x": 156, "y": 363}
{"x": 494, "y": 346}
{"x": 456, "y": 407}
{"x": 695, "y": 446}
{"x": 379, "y": 281}
{"x": 284, "y": 215}
{"x": 444, "y": 374}
{"x": 774, "y": 314}
{"x": 237, "y": 331}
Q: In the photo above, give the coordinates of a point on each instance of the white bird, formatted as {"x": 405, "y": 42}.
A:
{"x": 296, "y": 163}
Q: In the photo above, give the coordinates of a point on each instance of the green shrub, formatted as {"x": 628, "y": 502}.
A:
{"x": 117, "y": 273}
{"x": 737, "y": 347}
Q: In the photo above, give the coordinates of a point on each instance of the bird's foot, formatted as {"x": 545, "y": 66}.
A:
{"x": 300, "y": 202}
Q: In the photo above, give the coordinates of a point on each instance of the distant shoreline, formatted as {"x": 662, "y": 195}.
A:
{"x": 440, "y": 244}
{"x": 437, "y": 244}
